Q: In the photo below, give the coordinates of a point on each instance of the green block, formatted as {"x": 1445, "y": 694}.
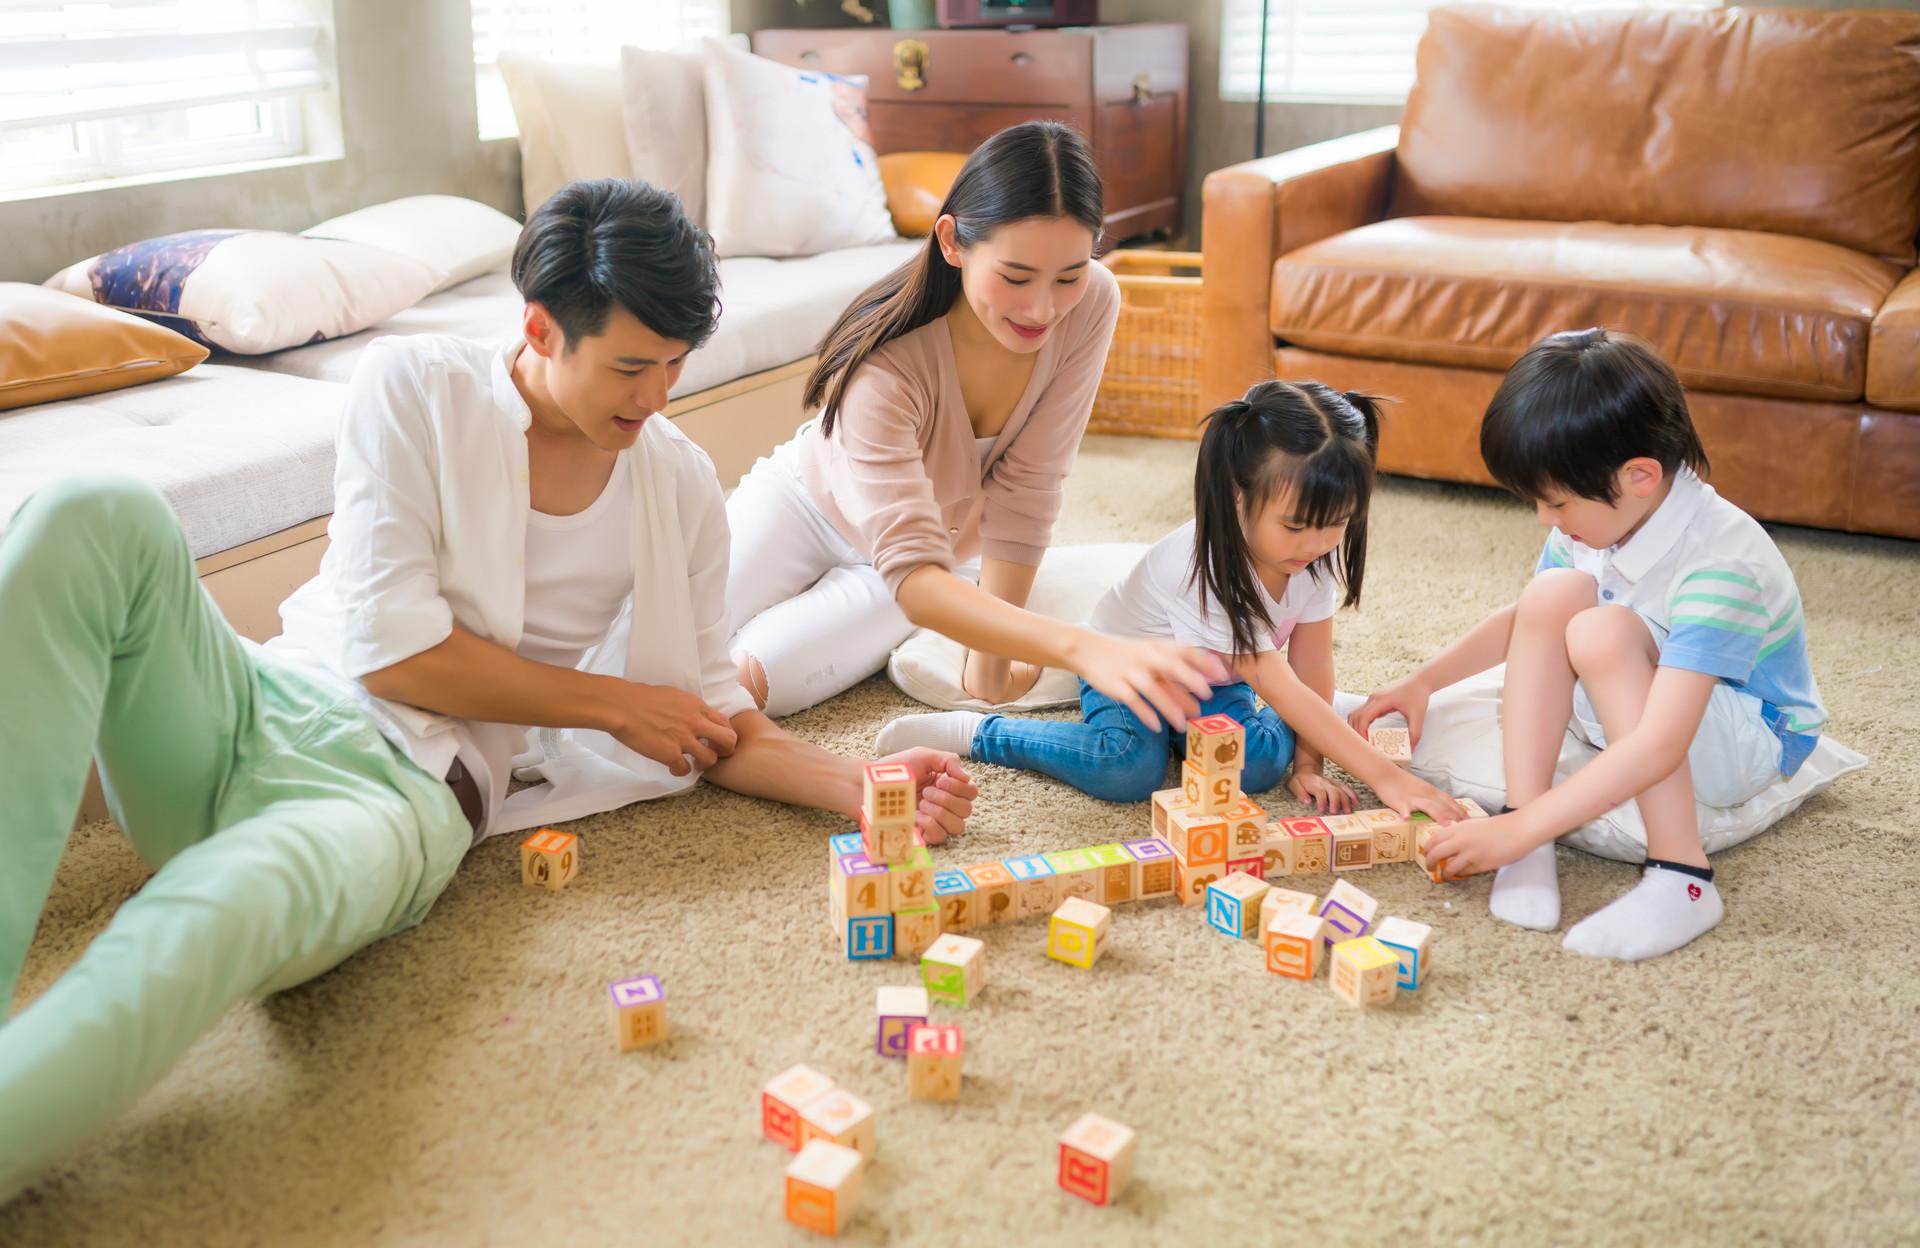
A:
{"x": 1109, "y": 856}
{"x": 944, "y": 983}
{"x": 1066, "y": 860}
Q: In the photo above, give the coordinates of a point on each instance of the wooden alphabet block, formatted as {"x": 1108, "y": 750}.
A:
{"x": 1034, "y": 893}
{"x": 1096, "y": 1159}
{"x": 954, "y": 896}
{"x": 1352, "y": 846}
{"x": 859, "y": 887}
{"x": 1074, "y": 874}
{"x": 1284, "y": 901}
{"x": 1276, "y": 851}
{"x": 1208, "y": 793}
{"x": 1392, "y": 835}
{"x": 912, "y": 880}
{"x": 782, "y": 1099}
{"x": 915, "y": 930}
{"x": 993, "y": 888}
{"x": 1364, "y": 972}
{"x": 1473, "y": 808}
{"x": 869, "y": 937}
{"x": 954, "y": 969}
{"x": 1312, "y": 845}
{"x": 1165, "y": 802}
{"x": 933, "y": 1063}
{"x": 898, "y": 1009}
{"x": 1233, "y": 905}
{"x": 1155, "y": 867}
{"x": 1348, "y": 912}
{"x": 1198, "y": 837}
{"x": 1190, "y": 882}
{"x": 1077, "y": 933}
{"x": 1393, "y": 743}
{"x": 839, "y": 846}
{"x": 1408, "y": 942}
{"x": 823, "y": 1187}
{"x": 889, "y": 795}
{"x": 1295, "y": 944}
{"x": 840, "y": 1118}
{"x": 639, "y": 1012}
{"x": 1255, "y": 866}
{"x": 549, "y": 859}
{"x": 1118, "y": 874}
{"x": 888, "y": 844}
{"x": 1216, "y": 745}
{"x": 1246, "y": 829}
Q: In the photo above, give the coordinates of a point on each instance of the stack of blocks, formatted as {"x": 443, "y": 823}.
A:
{"x": 831, "y": 1131}
{"x": 881, "y": 885}
{"x": 1215, "y": 831}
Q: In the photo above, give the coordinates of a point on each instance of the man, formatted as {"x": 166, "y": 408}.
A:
{"x": 526, "y": 574}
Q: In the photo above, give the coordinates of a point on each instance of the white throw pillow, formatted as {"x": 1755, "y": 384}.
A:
{"x": 1460, "y": 751}
{"x": 463, "y": 238}
{"x": 926, "y": 666}
{"x": 790, "y": 167}
{"x": 569, "y": 117}
{"x": 252, "y": 292}
{"x": 665, "y": 108}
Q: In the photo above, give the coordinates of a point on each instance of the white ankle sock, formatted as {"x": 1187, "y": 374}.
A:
{"x": 951, "y": 731}
{"x": 1527, "y": 892}
{"x": 1665, "y": 910}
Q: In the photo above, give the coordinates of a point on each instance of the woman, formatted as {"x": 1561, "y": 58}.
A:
{"x": 952, "y": 396}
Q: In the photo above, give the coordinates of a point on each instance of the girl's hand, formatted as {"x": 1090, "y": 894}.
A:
{"x": 1136, "y": 672}
{"x": 1477, "y": 845}
{"x": 945, "y": 790}
{"x": 995, "y": 680}
{"x": 1407, "y": 697}
{"x": 1326, "y": 797}
{"x": 1407, "y": 793}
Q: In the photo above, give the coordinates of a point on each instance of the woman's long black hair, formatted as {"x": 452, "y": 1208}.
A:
{"x": 1295, "y": 439}
{"x": 1034, "y": 169}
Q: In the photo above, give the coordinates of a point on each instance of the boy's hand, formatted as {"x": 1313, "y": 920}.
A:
{"x": 1326, "y": 797}
{"x": 1408, "y": 697}
{"x": 1476, "y": 845}
{"x": 945, "y": 789}
{"x": 1407, "y": 793}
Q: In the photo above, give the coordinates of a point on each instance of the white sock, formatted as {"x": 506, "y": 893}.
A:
{"x": 1665, "y": 910}
{"x": 951, "y": 731}
{"x": 1527, "y": 892}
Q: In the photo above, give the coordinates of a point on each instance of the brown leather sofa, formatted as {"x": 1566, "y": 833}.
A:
{"x": 1741, "y": 188}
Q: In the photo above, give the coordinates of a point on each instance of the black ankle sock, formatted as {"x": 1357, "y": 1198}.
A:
{"x": 1698, "y": 873}
{"x": 1506, "y": 810}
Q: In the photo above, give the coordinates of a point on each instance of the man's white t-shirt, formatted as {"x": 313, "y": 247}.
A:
{"x": 1159, "y": 599}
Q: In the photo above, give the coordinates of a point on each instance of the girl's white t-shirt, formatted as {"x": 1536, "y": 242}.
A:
{"x": 1157, "y": 599}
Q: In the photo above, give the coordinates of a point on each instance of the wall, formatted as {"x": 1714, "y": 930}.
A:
{"x": 408, "y": 124}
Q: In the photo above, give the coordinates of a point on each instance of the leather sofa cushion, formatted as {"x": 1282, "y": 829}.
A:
{"x": 1780, "y": 120}
{"x": 1732, "y": 310}
{"x": 1893, "y": 350}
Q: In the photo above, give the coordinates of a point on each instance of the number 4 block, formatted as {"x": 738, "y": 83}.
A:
{"x": 1096, "y": 1159}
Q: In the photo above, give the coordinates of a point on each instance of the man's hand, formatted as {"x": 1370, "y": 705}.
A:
{"x": 945, "y": 790}
{"x": 671, "y": 726}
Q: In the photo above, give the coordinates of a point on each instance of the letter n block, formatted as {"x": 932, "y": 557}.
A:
{"x": 1233, "y": 905}
{"x": 782, "y": 1099}
{"x": 823, "y": 1187}
{"x": 549, "y": 859}
{"x": 1096, "y": 1159}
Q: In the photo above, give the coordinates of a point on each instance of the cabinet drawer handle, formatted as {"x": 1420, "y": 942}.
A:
{"x": 910, "y": 65}
{"x": 1142, "y": 87}
{"x": 1022, "y": 58}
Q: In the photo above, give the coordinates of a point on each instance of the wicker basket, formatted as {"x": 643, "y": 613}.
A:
{"x": 1152, "y": 380}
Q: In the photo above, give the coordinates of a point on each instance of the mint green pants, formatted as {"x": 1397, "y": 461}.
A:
{"x": 285, "y": 831}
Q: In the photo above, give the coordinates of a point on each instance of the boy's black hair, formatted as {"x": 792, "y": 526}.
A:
{"x": 1580, "y": 404}
{"x": 1301, "y": 439}
{"x": 614, "y": 241}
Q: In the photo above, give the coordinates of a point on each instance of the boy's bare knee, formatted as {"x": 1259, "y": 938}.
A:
{"x": 1600, "y": 637}
{"x": 753, "y": 678}
{"x": 1558, "y": 594}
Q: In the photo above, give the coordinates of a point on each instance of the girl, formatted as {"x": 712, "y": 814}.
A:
{"x": 953, "y": 395}
{"x": 1280, "y": 499}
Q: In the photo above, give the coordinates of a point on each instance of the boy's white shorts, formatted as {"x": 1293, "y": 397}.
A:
{"x": 1734, "y": 754}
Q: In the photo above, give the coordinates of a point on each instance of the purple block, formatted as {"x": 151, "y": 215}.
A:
{"x": 1148, "y": 850}
{"x": 640, "y": 990}
{"x": 859, "y": 864}
{"x": 1358, "y": 929}
{"x": 891, "y": 1039}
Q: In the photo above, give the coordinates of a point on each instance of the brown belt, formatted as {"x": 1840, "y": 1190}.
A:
{"x": 467, "y": 791}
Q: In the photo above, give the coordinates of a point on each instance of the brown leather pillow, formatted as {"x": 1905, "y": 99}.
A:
{"x": 58, "y": 346}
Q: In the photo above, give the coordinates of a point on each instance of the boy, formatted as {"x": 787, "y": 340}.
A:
{"x": 1661, "y": 622}
{"x": 519, "y": 542}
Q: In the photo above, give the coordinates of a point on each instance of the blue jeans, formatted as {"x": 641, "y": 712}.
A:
{"x": 1116, "y": 758}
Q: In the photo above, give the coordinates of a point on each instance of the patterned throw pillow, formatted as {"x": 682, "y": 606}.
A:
{"x": 252, "y": 291}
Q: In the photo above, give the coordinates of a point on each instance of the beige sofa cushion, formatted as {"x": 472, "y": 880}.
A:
{"x": 571, "y": 123}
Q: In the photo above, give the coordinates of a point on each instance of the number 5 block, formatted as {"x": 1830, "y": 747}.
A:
{"x": 1096, "y": 1159}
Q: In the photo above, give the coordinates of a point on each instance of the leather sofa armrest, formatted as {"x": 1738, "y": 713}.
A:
{"x": 917, "y": 183}
{"x": 1893, "y": 349}
{"x": 1255, "y": 212}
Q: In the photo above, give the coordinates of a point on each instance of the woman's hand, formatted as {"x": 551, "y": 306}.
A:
{"x": 1408, "y": 697}
{"x": 670, "y": 726}
{"x": 1150, "y": 676}
{"x": 995, "y": 680}
{"x": 945, "y": 792}
{"x": 1326, "y": 797}
{"x": 1406, "y": 793}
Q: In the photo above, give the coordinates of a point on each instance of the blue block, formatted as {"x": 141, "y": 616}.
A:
{"x": 1223, "y": 912}
{"x": 869, "y": 937}
{"x": 1409, "y": 965}
{"x": 946, "y": 882}
{"x": 846, "y": 843}
{"x": 1027, "y": 866}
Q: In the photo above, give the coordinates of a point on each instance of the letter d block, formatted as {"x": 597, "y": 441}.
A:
{"x": 898, "y": 1009}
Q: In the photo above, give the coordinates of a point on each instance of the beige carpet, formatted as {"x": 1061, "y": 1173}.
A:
{"x": 456, "y": 1085}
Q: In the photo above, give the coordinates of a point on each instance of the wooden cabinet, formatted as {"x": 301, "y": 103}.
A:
{"x": 1124, "y": 87}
